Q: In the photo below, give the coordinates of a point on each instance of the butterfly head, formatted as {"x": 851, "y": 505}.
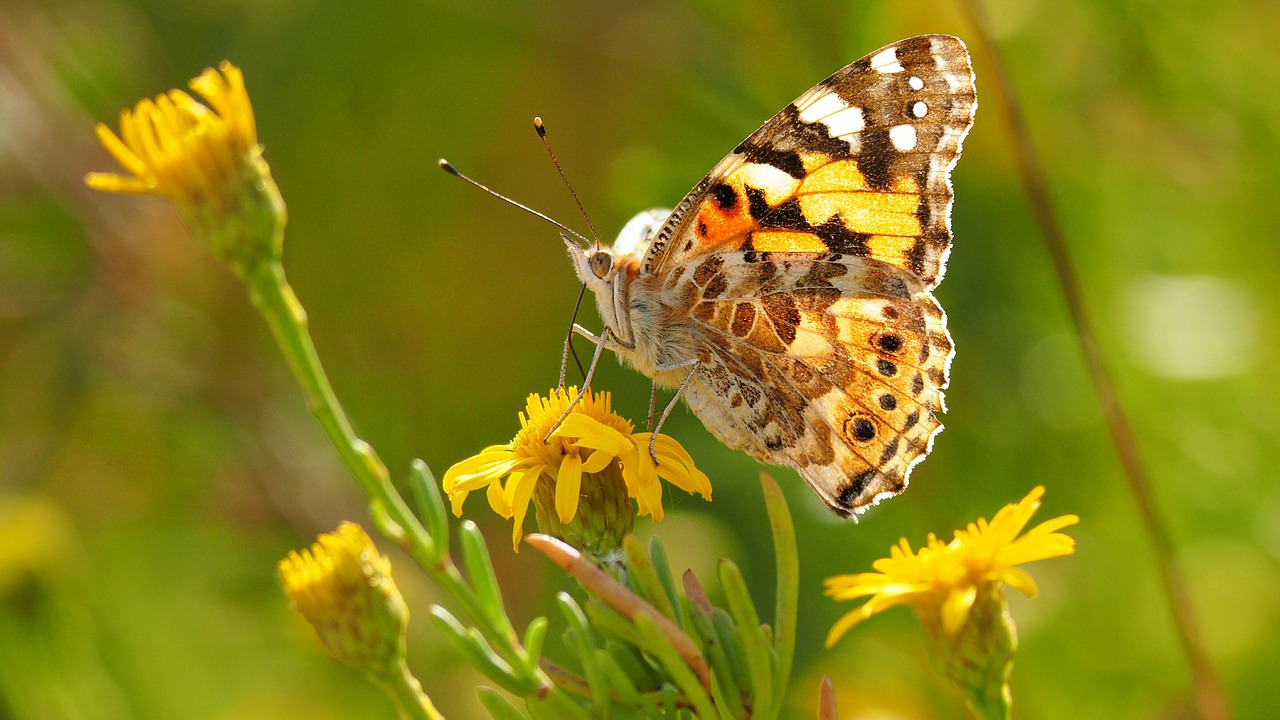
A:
{"x": 597, "y": 265}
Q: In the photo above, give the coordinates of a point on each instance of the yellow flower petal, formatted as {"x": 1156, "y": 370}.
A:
{"x": 498, "y": 500}
{"x": 850, "y": 587}
{"x": 955, "y": 609}
{"x": 1022, "y": 580}
{"x": 593, "y": 435}
{"x": 853, "y": 617}
{"x": 119, "y": 150}
{"x": 568, "y": 485}
{"x": 599, "y": 460}
{"x": 520, "y": 491}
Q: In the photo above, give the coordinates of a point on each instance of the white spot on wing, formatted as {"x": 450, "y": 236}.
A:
{"x": 825, "y": 105}
{"x": 776, "y": 184}
{"x": 845, "y": 122}
{"x": 919, "y": 109}
{"x": 903, "y": 137}
{"x": 886, "y": 61}
{"x": 916, "y": 83}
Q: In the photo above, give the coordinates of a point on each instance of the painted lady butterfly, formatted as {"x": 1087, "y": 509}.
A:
{"x": 788, "y": 294}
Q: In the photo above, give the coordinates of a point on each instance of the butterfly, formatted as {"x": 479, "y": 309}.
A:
{"x": 788, "y": 295}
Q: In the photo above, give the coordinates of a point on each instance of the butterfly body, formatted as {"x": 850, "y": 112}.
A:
{"x": 789, "y": 293}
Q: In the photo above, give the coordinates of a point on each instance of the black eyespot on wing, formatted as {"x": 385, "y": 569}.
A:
{"x": 725, "y": 196}
{"x": 864, "y": 430}
{"x": 889, "y": 343}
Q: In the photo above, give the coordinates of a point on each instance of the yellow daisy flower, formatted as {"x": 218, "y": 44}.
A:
{"x": 177, "y": 148}
{"x": 582, "y": 478}
{"x": 342, "y": 586}
{"x": 943, "y": 579}
{"x": 957, "y": 591}
{"x": 206, "y": 159}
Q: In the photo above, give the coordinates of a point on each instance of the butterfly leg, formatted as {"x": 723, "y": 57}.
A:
{"x": 653, "y": 438}
{"x": 653, "y": 402}
{"x": 606, "y": 339}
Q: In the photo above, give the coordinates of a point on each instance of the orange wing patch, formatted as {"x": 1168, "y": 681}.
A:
{"x": 831, "y": 208}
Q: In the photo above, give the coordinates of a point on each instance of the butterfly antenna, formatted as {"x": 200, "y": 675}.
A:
{"x": 447, "y": 167}
{"x": 542, "y": 133}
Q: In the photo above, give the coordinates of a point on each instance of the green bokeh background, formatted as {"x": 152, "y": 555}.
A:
{"x": 156, "y": 459}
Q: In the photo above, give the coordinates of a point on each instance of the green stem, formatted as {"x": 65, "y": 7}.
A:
{"x": 407, "y": 693}
{"x": 989, "y": 702}
{"x": 270, "y": 293}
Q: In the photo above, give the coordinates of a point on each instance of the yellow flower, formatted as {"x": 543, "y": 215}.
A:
{"x": 175, "y": 147}
{"x": 207, "y": 160}
{"x": 343, "y": 587}
{"x": 592, "y": 461}
{"x": 957, "y": 591}
{"x": 943, "y": 579}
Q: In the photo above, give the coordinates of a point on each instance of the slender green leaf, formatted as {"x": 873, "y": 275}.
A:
{"x": 582, "y": 641}
{"x": 721, "y": 670}
{"x": 657, "y": 644}
{"x": 426, "y": 495}
{"x": 477, "y": 651}
{"x": 631, "y": 661}
{"x": 498, "y": 706}
{"x": 645, "y": 577}
{"x": 723, "y": 704}
{"x": 731, "y": 642}
{"x": 618, "y": 678}
{"x": 670, "y": 698}
{"x": 754, "y": 645}
{"x": 534, "y": 636}
{"x": 475, "y": 555}
{"x": 604, "y": 619}
{"x": 787, "y": 561}
{"x": 662, "y": 568}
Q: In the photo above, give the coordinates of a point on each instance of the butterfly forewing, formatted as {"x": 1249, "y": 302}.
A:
{"x": 874, "y": 144}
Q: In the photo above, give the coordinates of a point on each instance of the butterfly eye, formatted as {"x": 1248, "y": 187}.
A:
{"x": 601, "y": 264}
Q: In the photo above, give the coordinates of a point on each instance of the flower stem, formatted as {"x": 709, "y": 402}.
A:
{"x": 989, "y": 703}
{"x": 271, "y": 294}
{"x": 405, "y": 689}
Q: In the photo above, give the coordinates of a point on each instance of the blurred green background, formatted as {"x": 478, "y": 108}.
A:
{"x": 156, "y": 459}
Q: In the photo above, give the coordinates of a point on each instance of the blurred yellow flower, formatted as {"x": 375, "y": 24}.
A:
{"x": 943, "y": 580}
{"x": 593, "y": 442}
{"x": 343, "y": 587}
{"x": 178, "y": 148}
{"x": 205, "y": 159}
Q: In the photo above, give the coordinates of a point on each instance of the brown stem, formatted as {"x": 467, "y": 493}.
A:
{"x": 1210, "y": 698}
{"x": 621, "y": 599}
{"x": 827, "y": 700}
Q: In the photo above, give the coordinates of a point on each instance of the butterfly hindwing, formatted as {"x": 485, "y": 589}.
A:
{"x": 831, "y": 364}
